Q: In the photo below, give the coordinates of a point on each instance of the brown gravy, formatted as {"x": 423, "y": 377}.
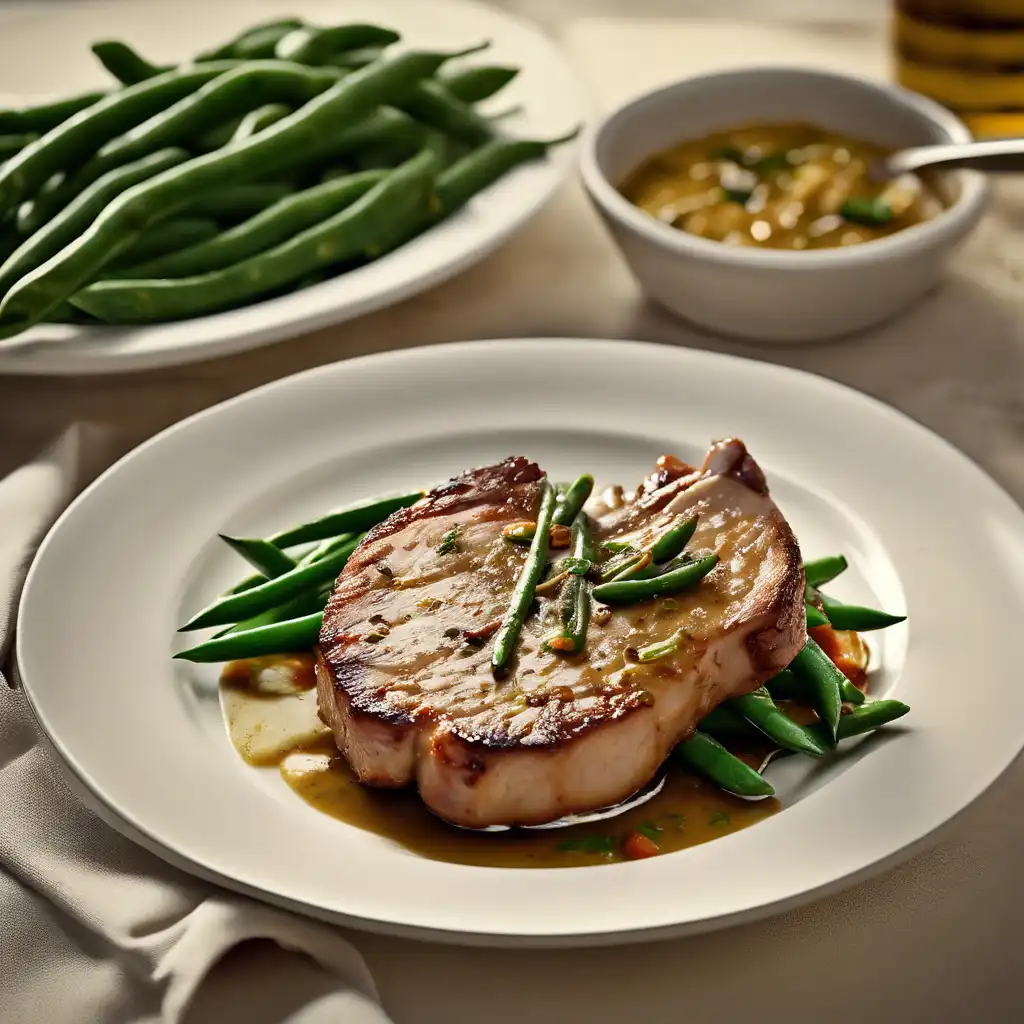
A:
{"x": 271, "y": 714}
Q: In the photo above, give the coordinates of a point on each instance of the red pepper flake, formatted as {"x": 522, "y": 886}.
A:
{"x": 637, "y": 847}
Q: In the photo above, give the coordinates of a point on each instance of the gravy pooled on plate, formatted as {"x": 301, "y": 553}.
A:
{"x": 778, "y": 186}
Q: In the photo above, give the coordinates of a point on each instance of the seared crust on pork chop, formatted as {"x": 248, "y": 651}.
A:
{"x": 403, "y": 665}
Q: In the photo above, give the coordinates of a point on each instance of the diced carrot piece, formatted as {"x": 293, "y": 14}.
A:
{"x": 638, "y": 846}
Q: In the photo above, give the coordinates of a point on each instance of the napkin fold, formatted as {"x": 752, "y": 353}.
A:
{"x": 97, "y": 929}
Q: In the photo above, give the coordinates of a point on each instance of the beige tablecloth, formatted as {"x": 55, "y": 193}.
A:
{"x": 937, "y": 939}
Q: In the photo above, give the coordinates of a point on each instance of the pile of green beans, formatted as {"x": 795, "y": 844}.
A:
{"x": 280, "y": 610}
{"x": 274, "y": 160}
{"x": 812, "y": 679}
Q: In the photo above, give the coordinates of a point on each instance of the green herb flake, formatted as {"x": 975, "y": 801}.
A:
{"x": 773, "y": 163}
{"x": 577, "y": 566}
{"x": 727, "y": 153}
{"x": 650, "y": 830}
{"x": 618, "y": 546}
{"x": 589, "y": 844}
{"x": 449, "y": 542}
{"x": 719, "y": 818}
{"x": 738, "y": 195}
{"x": 869, "y": 212}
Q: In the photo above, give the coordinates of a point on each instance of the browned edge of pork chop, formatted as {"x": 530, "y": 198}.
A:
{"x": 403, "y": 663}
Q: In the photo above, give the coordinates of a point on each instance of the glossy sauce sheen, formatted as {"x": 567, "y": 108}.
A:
{"x": 777, "y": 186}
{"x": 272, "y": 719}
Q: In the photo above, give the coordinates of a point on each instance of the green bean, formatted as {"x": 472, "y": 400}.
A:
{"x": 234, "y": 93}
{"x": 661, "y": 648}
{"x": 350, "y": 519}
{"x": 239, "y": 202}
{"x": 296, "y": 607}
{"x": 262, "y": 117}
{"x": 760, "y": 711}
{"x": 472, "y": 85}
{"x": 164, "y": 239}
{"x": 267, "y": 595}
{"x": 869, "y": 717}
{"x": 315, "y": 554}
{"x": 631, "y": 591}
{"x": 825, "y": 681}
{"x": 252, "y": 41}
{"x": 824, "y": 570}
{"x": 274, "y": 225}
{"x": 279, "y": 638}
{"x": 303, "y": 604}
{"x": 385, "y": 128}
{"x": 262, "y": 555}
{"x": 856, "y": 617}
{"x": 576, "y": 598}
{"x": 12, "y": 144}
{"x": 572, "y": 500}
{"x": 364, "y": 228}
{"x": 65, "y": 313}
{"x": 786, "y": 685}
{"x": 277, "y": 148}
{"x": 814, "y": 616}
{"x": 67, "y": 226}
{"x": 706, "y": 756}
{"x": 352, "y": 60}
{"x": 672, "y": 542}
{"x": 523, "y": 592}
{"x": 486, "y": 165}
{"x": 215, "y": 138}
{"x": 127, "y": 66}
{"x": 429, "y": 103}
{"x": 318, "y": 45}
{"x": 82, "y": 134}
{"x": 45, "y": 117}
{"x": 724, "y": 723}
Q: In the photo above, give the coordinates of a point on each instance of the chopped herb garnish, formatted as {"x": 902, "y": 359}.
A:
{"x": 719, "y": 818}
{"x": 773, "y": 163}
{"x": 617, "y": 546}
{"x": 452, "y": 632}
{"x": 589, "y": 844}
{"x": 730, "y": 153}
{"x": 738, "y": 195}
{"x": 870, "y": 212}
{"x": 449, "y": 542}
{"x": 577, "y": 566}
{"x": 650, "y": 830}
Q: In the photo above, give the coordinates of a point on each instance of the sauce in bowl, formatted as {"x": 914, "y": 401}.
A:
{"x": 778, "y": 186}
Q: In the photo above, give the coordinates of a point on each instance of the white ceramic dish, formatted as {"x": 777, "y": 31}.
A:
{"x": 765, "y": 294}
{"x": 144, "y": 735}
{"x": 165, "y": 30}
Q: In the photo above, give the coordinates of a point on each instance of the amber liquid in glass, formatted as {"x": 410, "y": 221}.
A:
{"x": 966, "y": 54}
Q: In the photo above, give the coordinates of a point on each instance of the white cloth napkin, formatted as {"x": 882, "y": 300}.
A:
{"x": 136, "y": 940}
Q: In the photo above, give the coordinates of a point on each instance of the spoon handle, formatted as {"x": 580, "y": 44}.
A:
{"x": 989, "y": 155}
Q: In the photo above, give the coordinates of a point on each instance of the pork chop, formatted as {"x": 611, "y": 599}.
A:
{"x": 403, "y": 666}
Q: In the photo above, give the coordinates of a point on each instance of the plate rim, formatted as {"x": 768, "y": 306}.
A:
{"x": 461, "y": 936}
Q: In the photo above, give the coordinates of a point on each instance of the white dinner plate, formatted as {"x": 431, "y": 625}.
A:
{"x": 548, "y": 90}
{"x": 924, "y": 528}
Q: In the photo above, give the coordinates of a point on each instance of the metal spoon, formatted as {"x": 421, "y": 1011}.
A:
{"x": 989, "y": 155}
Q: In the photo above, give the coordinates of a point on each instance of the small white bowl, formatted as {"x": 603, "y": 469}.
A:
{"x": 771, "y": 294}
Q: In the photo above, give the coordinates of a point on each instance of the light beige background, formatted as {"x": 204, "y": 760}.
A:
{"x": 938, "y": 939}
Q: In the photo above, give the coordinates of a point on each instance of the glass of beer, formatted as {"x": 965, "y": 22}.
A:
{"x": 966, "y": 54}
